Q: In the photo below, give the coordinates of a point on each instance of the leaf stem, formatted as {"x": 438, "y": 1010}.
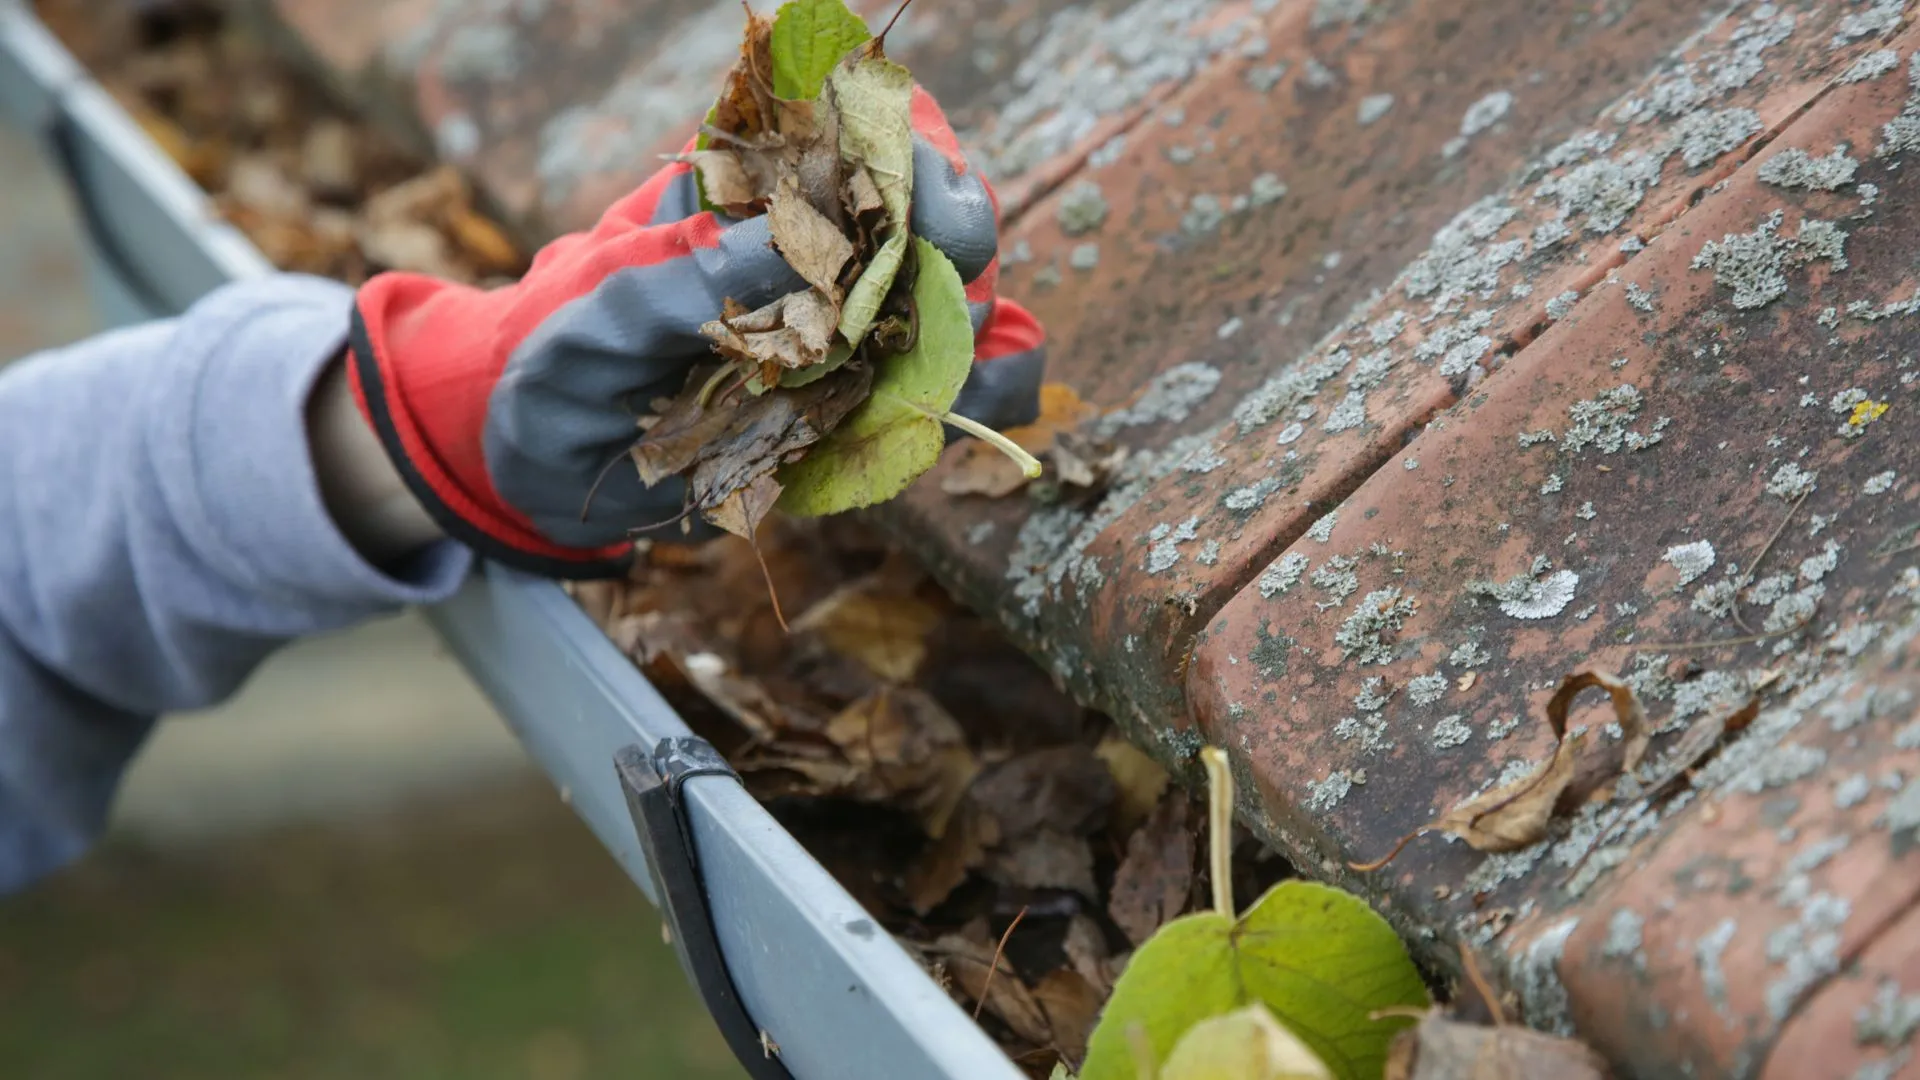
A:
{"x": 1220, "y": 828}
{"x": 1029, "y": 464}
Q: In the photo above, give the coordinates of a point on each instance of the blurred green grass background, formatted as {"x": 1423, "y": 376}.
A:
{"x": 490, "y": 939}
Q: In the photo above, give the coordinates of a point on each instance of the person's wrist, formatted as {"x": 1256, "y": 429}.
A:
{"x": 359, "y": 483}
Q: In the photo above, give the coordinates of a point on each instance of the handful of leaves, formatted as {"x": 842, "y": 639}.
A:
{"x": 832, "y": 397}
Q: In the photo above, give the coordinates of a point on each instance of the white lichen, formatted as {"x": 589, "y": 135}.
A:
{"x": 1450, "y": 731}
{"x": 1690, "y": 560}
{"x": 1363, "y": 635}
{"x": 1284, "y": 574}
{"x": 1426, "y": 689}
{"x": 1795, "y": 168}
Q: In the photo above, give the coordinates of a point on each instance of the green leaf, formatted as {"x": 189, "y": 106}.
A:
{"x": 1320, "y": 959}
{"x": 869, "y": 291}
{"x": 1060, "y": 1072}
{"x": 1247, "y": 1044}
{"x": 809, "y": 37}
{"x": 896, "y": 434}
{"x": 874, "y": 98}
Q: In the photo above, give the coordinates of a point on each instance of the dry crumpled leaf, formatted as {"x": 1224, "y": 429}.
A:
{"x": 1439, "y": 1048}
{"x": 885, "y": 631}
{"x": 1155, "y": 878}
{"x": 810, "y": 242}
{"x": 1063, "y": 787}
{"x": 969, "y": 958}
{"x": 1138, "y": 779}
{"x": 1071, "y": 1005}
{"x": 725, "y": 448}
{"x": 1635, "y": 732}
{"x": 1046, "y": 859}
{"x": 790, "y": 333}
{"x": 1085, "y": 945}
{"x": 909, "y": 750}
{"x": 944, "y": 864}
{"x": 1517, "y": 815}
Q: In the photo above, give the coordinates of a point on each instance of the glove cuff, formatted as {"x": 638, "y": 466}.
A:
{"x": 429, "y": 420}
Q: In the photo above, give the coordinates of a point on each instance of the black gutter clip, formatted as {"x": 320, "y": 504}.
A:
{"x": 653, "y": 783}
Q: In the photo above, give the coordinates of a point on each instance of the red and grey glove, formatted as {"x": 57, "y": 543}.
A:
{"x": 502, "y": 408}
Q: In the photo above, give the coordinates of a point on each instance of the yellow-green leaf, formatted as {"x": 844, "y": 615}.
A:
{"x": 809, "y": 37}
{"x": 1247, "y": 1044}
{"x": 1320, "y": 959}
{"x": 896, "y": 434}
{"x": 869, "y": 291}
{"x": 874, "y": 98}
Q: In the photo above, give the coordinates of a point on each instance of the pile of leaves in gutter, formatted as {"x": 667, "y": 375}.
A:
{"x": 934, "y": 769}
{"x": 315, "y": 189}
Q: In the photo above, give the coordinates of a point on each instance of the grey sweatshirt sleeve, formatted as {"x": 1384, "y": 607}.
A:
{"x": 161, "y": 533}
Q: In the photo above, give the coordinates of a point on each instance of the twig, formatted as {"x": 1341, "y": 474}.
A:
{"x": 1220, "y": 828}
{"x": 1482, "y": 987}
{"x": 1370, "y": 867}
{"x": 880, "y": 39}
{"x": 598, "y": 480}
{"x": 679, "y": 517}
{"x": 1760, "y": 558}
{"x": 773, "y": 594}
{"x": 1751, "y": 639}
{"x": 987, "y": 986}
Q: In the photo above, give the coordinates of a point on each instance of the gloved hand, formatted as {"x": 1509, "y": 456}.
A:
{"x": 502, "y": 408}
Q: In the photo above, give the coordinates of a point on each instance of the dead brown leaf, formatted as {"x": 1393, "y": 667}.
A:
{"x": 1516, "y": 816}
{"x": 810, "y": 242}
{"x": 1046, "y": 858}
{"x": 863, "y": 195}
{"x": 886, "y": 632}
{"x": 1700, "y": 740}
{"x": 482, "y": 242}
{"x": 1085, "y": 945}
{"x": 408, "y": 245}
{"x": 675, "y": 440}
{"x": 1062, "y": 787}
{"x": 428, "y": 197}
{"x": 725, "y": 179}
{"x": 944, "y": 864}
{"x": 1071, "y": 1005}
{"x": 1636, "y": 733}
{"x": 1438, "y": 1048}
{"x": 742, "y": 512}
{"x": 257, "y": 182}
{"x": 746, "y": 105}
{"x": 1138, "y": 781}
{"x": 1155, "y": 878}
{"x": 764, "y": 429}
{"x": 791, "y": 333}
{"x": 969, "y": 959}
{"x": 912, "y": 753}
{"x": 330, "y": 159}
{"x": 1507, "y": 818}
{"x": 981, "y": 470}
{"x": 741, "y": 698}
{"x": 1084, "y": 462}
